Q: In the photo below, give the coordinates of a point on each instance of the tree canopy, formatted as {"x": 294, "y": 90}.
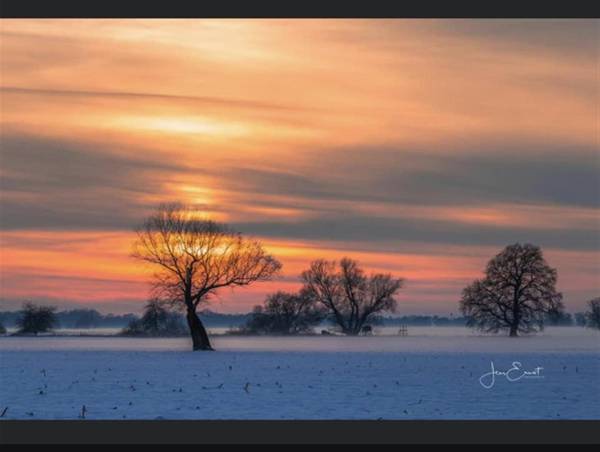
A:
{"x": 350, "y": 296}
{"x": 517, "y": 292}
{"x": 285, "y": 313}
{"x": 36, "y": 319}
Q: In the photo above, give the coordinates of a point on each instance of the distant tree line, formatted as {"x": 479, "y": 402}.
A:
{"x": 75, "y": 318}
{"x": 423, "y": 320}
{"x": 266, "y": 319}
{"x": 91, "y": 318}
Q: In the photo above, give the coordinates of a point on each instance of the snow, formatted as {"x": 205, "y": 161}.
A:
{"x": 431, "y": 374}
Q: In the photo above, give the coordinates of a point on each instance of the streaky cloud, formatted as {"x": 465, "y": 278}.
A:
{"x": 148, "y": 95}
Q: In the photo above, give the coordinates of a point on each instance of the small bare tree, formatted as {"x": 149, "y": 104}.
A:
{"x": 157, "y": 320}
{"x": 194, "y": 258}
{"x": 592, "y": 317}
{"x": 518, "y": 291}
{"x": 36, "y": 319}
{"x": 349, "y": 296}
{"x": 285, "y": 313}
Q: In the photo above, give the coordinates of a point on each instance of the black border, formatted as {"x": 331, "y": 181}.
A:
{"x": 294, "y": 9}
{"x": 300, "y": 432}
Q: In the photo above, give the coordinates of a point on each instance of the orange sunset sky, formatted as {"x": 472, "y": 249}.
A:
{"x": 418, "y": 147}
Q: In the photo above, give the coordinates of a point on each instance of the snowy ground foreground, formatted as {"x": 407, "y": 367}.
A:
{"x": 428, "y": 375}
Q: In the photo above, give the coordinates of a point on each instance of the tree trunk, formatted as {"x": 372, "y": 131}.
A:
{"x": 516, "y": 315}
{"x": 200, "y": 339}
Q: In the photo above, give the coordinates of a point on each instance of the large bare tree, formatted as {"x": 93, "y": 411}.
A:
{"x": 518, "y": 291}
{"x": 348, "y": 294}
{"x": 194, "y": 258}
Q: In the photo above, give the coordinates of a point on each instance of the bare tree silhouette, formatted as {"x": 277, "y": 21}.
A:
{"x": 36, "y": 319}
{"x": 194, "y": 258}
{"x": 592, "y": 316}
{"x": 518, "y": 291}
{"x": 350, "y": 297}
{"x": 285, "y": 313}
{"x": 157, "y": 320}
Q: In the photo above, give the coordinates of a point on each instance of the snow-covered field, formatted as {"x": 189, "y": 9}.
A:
{"x": 434, "y": 373}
